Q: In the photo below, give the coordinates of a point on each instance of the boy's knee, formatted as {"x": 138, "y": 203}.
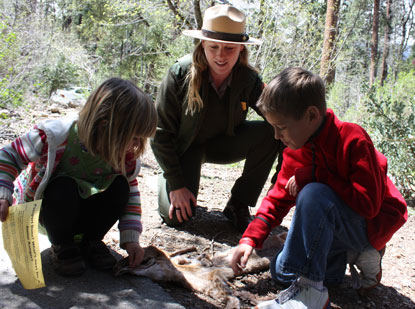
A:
{"x": 314, "y": 194}
{"x": 313, "y": 190}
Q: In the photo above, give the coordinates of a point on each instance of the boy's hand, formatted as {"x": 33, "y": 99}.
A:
{"x": 180, "y": 204}
{"x": 4, "y": 209}
{"x": 292, "y": 186}
{"x": 240, "y": 257}
{"x": 135, "y": 253}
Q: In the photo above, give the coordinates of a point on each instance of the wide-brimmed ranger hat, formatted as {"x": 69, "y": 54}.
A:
{"x": 225, "y": 24}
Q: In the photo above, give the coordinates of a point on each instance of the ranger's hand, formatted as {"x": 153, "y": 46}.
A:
{"x": 181, "y": 200}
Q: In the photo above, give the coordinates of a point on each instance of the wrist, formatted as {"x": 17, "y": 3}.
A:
{"x": 247, "y": 241}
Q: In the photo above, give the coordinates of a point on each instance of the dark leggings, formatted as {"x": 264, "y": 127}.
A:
{"x": 64, "y": 213}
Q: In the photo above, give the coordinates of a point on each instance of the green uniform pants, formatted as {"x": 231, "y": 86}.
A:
{"x": 253, "y": 141}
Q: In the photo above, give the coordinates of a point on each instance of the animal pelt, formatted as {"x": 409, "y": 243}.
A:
{"x": 207, "y": 275}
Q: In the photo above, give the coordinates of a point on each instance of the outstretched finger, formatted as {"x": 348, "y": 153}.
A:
{"x": 171, "y": 211}
{"x": 188, "y": 210}
{"x": 236, "y": 261}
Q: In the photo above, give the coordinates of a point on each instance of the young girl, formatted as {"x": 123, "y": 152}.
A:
{"x": 84, "y": 170}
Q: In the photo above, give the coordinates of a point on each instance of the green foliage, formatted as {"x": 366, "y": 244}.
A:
{"x": 288, "y": 34}
{"x": 338, "y": 98}
{"x": 36, "y": 58}
{"x": 9, "y": 91}
{"x": 131, "y": 39}
{"x": 60, "y": 75}
{"x": 9, "y": 95}
{"x": 346, "y": 100}
{"x": 390, "y": 121}
{"x": 7, "y": 40}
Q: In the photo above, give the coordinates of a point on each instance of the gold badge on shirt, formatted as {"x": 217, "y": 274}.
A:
{"x": 243, "y": 104}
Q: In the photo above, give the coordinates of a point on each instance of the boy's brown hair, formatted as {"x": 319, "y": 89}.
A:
{"x": 115, "y": 113}
{"x": 291, "y": 92}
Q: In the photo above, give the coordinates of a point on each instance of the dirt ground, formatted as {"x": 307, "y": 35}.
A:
{"x": 209, "y": 230}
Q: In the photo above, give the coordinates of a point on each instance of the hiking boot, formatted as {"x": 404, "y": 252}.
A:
{"x": 298, "y": 296}
{"x": 238, "y": 214}
{"x": 67, "y": 260}
{"x": 370, "y": 265}
{"x": 98, "y": 254}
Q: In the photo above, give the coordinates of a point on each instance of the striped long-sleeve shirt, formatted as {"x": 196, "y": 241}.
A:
{"x": 27, "y": 164}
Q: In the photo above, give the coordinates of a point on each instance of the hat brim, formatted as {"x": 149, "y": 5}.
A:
{"x": 199, "y": 35}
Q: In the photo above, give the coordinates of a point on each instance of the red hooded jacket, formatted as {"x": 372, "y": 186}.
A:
{"x": 346, "y": 160}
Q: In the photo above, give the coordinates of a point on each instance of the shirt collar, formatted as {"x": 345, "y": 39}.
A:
{"x": 222, "y": 88}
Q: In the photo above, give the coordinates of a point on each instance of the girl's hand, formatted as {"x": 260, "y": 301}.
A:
{"x": 292, "y": 186}
{"x": 240, "y": 257}
{"x": 180, "y": 204}
{"x": 4, "y": 209}
{"x": 135, "y": 253}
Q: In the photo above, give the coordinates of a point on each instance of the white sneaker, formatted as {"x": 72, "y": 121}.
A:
{"x": 297, "y": 296}
{"x": 370, "y": 265}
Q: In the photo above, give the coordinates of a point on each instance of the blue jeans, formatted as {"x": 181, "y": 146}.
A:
{"x": 322, "y": 230}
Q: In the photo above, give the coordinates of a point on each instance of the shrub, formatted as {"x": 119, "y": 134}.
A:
{"x": 60, "y": 75}
{"x": 391, "y": 124}
{"x": 9, "y": 92}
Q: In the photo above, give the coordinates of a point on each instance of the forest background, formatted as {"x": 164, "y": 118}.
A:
{"x": 364, "y": 50}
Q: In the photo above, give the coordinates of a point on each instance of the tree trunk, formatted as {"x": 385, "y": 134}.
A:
{"x": 404, "y": 37}
{"x": 260, "y": 18}
{"x": 198, "y": 14}
{"x": 260, "y": 26}
{"x": 33, "y": 6}
{"x": 149, "y": 78}
{"x": 388, "y": 30}
{"x": 374, "y": 43}
{"x": 327, "y": 67}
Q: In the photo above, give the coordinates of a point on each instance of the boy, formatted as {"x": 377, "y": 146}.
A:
{"x": 347, "y": 208}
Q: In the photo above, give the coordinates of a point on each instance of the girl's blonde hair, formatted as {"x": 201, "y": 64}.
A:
{"x": 194, "y": 76}
{"x": 115, "y": 113}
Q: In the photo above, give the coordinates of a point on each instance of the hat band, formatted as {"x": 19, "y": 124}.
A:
{"x": 225, "y": 36}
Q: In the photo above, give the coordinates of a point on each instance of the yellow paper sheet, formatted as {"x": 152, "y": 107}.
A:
{"x": 20, "y": 237}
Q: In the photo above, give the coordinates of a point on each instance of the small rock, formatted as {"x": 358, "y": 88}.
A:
{"x": 72, "y": 104}
{"x": 72, "y": 97}
{"x": 54, "y": 108}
